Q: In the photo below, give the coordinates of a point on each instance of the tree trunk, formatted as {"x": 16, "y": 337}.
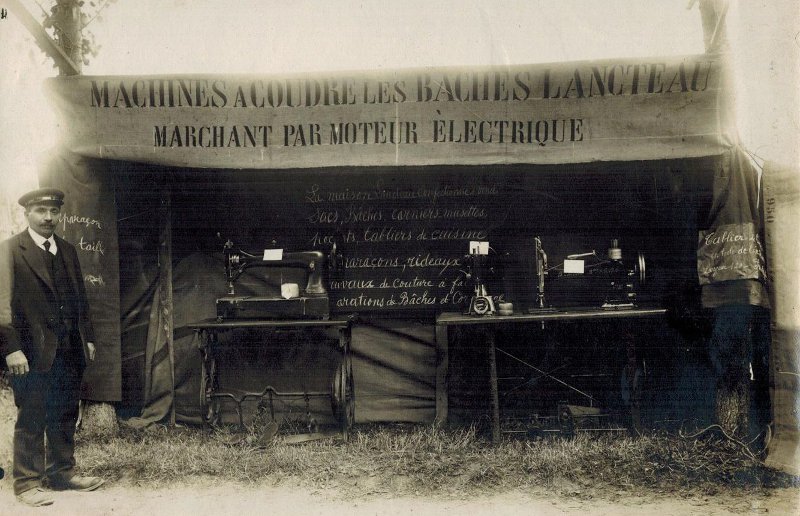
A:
{"x": 733, "y": 408}
{"x": 68, "y": 25}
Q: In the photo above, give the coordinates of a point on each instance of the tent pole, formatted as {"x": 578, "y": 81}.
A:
{"x": 168, "y": 308}
{"x": 713, "y": 14}
{"x": 66, "y": 64}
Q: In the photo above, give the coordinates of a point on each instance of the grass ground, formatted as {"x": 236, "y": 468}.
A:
{"x": 398, "y": 460}
{"x": 425, "y": 460}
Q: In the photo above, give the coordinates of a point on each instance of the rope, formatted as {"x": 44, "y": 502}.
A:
{"x": 741, "y": 444}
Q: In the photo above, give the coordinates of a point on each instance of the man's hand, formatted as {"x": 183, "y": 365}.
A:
{"x": 92, "y": 350}
{"x": 17, "y": 363}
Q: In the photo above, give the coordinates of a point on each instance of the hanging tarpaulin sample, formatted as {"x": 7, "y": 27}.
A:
{"x": 782, "y": 211}
{"x": 614, "y": 110}
{"x": 89, "y": 222}
{"x": 730, "y": 253}
{"x": 159, "y": 366}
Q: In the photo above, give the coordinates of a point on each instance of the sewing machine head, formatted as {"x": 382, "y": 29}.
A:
{"x": 613, "y": 281}
{"x": 309, "y": 301}
{"x": 316, "y": 265}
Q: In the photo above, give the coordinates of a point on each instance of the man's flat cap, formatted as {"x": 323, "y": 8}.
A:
{"x": 43, "y": 196}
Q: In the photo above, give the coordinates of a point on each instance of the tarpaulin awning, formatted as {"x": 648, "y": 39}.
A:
{"x": 613, "y": 110}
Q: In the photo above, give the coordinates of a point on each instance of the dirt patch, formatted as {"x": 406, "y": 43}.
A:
{"x": 211, "y": 497}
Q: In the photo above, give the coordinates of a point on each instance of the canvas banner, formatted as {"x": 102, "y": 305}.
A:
{"x": 89, "y": 222}
{"x": 730, "y": 252}
{"x": 540, "y": 114}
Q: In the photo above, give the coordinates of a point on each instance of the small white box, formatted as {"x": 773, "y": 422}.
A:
{"x": 573, "y": 266}
{"x": 476, "y": 247}
{"x": 271, "y": 255}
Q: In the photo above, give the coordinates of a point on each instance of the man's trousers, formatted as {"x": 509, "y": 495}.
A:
{"x": 47, "y": 404}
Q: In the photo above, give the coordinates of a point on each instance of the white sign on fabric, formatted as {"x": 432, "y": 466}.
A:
{"x": 573, "y": 266}
{"x": 730, "y": 252}
{"x": 272, "y": 255}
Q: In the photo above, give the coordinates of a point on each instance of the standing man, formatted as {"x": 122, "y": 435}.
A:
{"x": 45, "y": 339}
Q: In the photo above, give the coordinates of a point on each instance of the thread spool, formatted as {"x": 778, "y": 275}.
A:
{"x": 614, "y": 252}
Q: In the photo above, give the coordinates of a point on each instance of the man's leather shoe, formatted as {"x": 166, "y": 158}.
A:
{"x": 36, "y": 497}
{"x": 77, "y": 483}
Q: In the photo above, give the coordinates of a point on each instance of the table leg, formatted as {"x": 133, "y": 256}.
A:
{"x": 205, "y": 373}
{"x": 346, "y": 384}
{"x": 632, "y": 386}
{"x": 442, "y": 352}
{"x": 210, "y": 405}
{"x": 495, "y": 401}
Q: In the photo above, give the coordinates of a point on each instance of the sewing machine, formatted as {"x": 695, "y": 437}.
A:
{"x": 590, "y": 279}
{"x": 309, "y": 302}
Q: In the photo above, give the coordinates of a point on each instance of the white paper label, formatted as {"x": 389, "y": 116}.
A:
{"x": 573, "y": 266}
{"x": 271, "y": 255}
{"x": 476, "y": 247}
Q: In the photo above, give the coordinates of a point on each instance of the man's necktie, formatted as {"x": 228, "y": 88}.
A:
{"x": 49, "y": 259}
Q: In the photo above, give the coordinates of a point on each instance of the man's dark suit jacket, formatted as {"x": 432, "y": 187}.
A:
{"x": 28, "y": 306}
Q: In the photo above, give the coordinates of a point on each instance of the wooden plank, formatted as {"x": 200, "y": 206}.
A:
{"x": 453, "y": 318}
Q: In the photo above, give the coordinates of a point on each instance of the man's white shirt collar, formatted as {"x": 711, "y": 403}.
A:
{"x": 39, "y": 240}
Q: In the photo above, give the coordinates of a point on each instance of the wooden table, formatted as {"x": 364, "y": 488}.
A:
{"x": 447, "y": 319}
{"x": 342, "y": 392}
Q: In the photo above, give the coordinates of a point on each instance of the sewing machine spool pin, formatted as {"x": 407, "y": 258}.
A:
{"x": 541, "y": 272}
